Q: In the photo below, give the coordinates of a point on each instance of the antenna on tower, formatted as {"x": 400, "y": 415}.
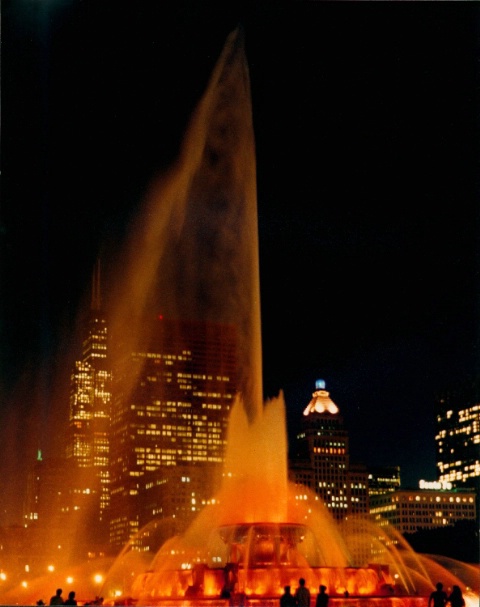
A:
{"x": 96, "y": 302}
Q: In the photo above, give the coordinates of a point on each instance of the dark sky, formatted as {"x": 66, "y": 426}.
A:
{"x": 366, "y": 124}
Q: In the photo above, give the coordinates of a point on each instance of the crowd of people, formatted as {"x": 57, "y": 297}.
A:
{"x": 302, "y": 597}
{"x": 439, "y": 598}
{"x": 57, "y": 599}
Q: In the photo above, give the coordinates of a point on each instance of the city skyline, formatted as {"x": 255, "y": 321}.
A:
{"x": 366, "y": 194}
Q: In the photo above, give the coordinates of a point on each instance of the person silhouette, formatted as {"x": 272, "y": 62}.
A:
{"x": 302, "y": 594}
{"x": 287, "y": 599}
{"x": 230, "y": 577}
{"x": 322, "y": 597}
{"x": 456, "y": 598}
{"x": 57, "y": 598}
{"x": 71, "y": 599}
{"x": 438, "y": 598}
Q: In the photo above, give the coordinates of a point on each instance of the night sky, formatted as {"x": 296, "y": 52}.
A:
{"x": 366, "y": 126}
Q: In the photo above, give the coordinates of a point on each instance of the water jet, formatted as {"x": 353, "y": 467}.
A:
{"x": 259, "y": 532}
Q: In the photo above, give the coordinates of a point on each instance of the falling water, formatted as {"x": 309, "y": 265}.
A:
{"x": 194, "y": 254}
{"x": 194, "y": 251}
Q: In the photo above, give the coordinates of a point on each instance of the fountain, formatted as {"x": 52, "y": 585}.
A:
{"x": 259, "y": 532}
{"x": 254, "y": 546}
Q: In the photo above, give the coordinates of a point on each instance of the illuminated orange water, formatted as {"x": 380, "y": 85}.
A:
{"x": 258, "y": 527}
{"x": 261, "y": 533}
{"x": 194, "y": 254}
{"x": 193, "y": 251}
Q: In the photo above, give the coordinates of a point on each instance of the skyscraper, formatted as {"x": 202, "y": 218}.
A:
{"x": 457, "y": 440}
{"x": 169, "y": 428}
{"x": 49, "y": 520}
{"x": 322, "y": 462}
{"x": 87, "y": 449}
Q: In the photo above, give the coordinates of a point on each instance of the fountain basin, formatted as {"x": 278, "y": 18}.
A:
{"x": 257, "y": 560}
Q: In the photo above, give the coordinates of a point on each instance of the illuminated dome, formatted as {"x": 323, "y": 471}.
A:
{"x": 321, "y": 401}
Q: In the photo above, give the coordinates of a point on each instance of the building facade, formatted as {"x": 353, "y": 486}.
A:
{"x": 171, "y": 425}
{"x": 383, "y": 479}
{"x": 457, "y": 440}
{"x": 410, "y": 510}
{"x": 322, "y": 459}
{"x": 88, "y": 434}
{"x": 50, "y": 521}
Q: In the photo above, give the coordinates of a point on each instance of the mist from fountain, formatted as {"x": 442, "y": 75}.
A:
{"x": 258, "y": 524}
{"x": 257, "y": 520}
{"x": 193, "y": 253}
{"x": 266, "y": 533}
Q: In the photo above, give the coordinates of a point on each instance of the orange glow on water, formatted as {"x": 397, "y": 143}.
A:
{"x": 258, "y": 533}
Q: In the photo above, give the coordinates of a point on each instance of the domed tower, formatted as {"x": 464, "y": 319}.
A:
{"x": 322, "y": 459}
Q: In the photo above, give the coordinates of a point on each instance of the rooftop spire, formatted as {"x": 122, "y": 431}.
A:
{"x": 96, "y": 302}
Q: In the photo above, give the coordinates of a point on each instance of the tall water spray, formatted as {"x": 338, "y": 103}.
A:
{"x": 193, "y": 254}
{"x": 194, "y": 251}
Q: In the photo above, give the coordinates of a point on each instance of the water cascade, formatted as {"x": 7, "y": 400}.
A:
{"x": 259, "y": 532}
{"x": 194, "y": 254}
